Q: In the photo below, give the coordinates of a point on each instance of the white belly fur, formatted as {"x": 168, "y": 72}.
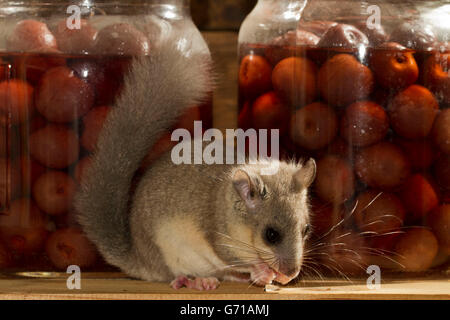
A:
{"x": 185, "y": 249}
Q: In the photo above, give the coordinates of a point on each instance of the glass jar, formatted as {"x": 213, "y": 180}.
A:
{"x": 364, "y": 89}
{"x": 62, "y": 64}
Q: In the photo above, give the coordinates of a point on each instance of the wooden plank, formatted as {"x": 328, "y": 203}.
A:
{"x": 116, "y": 286}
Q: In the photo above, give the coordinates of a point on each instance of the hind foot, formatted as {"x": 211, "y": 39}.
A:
{"x": 201, "y": 284}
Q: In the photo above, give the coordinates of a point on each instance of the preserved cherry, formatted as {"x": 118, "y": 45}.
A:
{"x": 335, "y": 182}
{"x": 295, "y": 80}
{"x": 270, "y": 112}
{"x": 364, "y": 123}
{"x": 77, "y": 40}
{"x": 23, "y": 227}
{"x": 382, "y": 166}
{"x": 413, "y": 111}
{"x": 55, "y": 146}
{"x": 343, "y": 36}
{"x": 416, "y": 249}
{"x": 394, "y": 68}
{"x": 121, "y": 39}
{"x": 54, "y": 192}
{"x": 379, "y": 212}
{"x": 343, "y": 80}
{"x": 436, "y": 76}
{"x": 419, "y": 197}
{"x": 66, "y": 247}
{"x": 255, "y": 76}
{"x": 62, "y": 96}
{"x": 314, "y": 127}
{"x": 31, "y": 35}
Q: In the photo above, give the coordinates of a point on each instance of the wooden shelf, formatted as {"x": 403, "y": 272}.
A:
{"x": 116, "y": 286}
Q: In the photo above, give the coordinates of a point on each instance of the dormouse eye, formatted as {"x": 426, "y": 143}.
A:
{"x": 272, "y": 236}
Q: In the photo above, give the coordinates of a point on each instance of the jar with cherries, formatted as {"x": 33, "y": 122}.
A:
{"x": 62, "y": 64}
{"x": 363, "y": 87}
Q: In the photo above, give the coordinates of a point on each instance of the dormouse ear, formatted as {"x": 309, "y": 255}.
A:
{"x": 245, "y": 188}
{"x": 305, "y": 176}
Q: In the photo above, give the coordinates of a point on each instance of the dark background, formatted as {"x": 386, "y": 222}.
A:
{"x": 220, "y": 14}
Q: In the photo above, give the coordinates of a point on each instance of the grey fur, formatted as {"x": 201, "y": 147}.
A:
{"x": 204, "y": 201}
{"x": 155, "y": 94}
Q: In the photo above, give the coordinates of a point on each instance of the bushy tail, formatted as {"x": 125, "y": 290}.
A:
{"x": 156, "y": 91}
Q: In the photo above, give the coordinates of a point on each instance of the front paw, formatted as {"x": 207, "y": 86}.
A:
{"x": 201, "y": 284}
{"x": 262, "y": 275}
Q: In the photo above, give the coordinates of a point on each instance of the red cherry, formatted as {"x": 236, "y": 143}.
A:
{"x": 269, "y": 112}
{"x": 54, "y": 192}
{"x": 419, "y": 197}
{"x": 121, "y": 39}
{"x": 382, "y": 166}
{"x": 437, "y": 76}
{"x": 393, "y": 67}
{"x": 413, "y": 111}
{"x": 255, "y": 76}
{"x": 23, "y": 227}
{"x": 295, "y": 81}
{"x": 62, "y": 96}
{"x": 343, "y": 80}
{"x": 379, "y": 212}
{"x": 335, "y": 182}
{"x": 76, "y": 40}
{"x": 31, "y": 35}
{"x": 66, "y": 247}
{"x": 364, "y": 123}
{"x": 314, "y": 127}
{"x": 55, "y": 146}
{"x": 416, "y": 249}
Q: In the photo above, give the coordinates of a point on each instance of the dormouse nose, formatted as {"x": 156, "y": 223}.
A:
{"x": 289, "y": 270}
